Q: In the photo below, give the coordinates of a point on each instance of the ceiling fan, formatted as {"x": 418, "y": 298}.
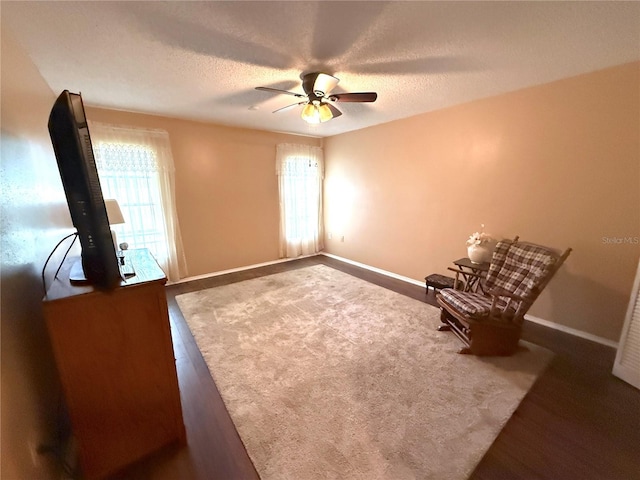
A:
{"x": 318, "y": 101}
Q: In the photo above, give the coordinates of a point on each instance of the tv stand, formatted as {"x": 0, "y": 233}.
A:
{"x": 115, "y": 359}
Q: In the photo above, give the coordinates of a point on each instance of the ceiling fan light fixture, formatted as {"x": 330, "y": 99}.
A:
{"x": 310, "y": 113}
{"x": 316, "y": 112}
{"x": 318, "y": 104}
{"x": 325, "y": 112}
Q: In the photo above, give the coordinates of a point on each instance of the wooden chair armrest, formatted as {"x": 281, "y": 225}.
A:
{"x": 499, "y": 292}
{"x": 514, "y": 308}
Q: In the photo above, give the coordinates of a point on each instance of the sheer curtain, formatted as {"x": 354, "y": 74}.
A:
{"x": 136, "y": 168}
{"x": 300, "y": 170}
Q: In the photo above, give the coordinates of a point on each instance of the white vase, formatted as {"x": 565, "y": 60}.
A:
{"x": 479, "y": 253}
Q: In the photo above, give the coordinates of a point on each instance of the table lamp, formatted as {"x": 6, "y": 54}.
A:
{"x": 115, "y": 217}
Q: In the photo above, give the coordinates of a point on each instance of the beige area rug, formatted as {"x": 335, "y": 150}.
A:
{"x": 327, "y": 376}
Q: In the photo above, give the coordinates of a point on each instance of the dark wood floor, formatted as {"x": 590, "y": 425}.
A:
{"x": 577, "y": 422}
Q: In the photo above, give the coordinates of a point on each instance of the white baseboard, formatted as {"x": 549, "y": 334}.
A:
{"x": 571, "y": 331}
{"x": 377, "y": 270}
{"x": 531, "y": 318}
{"x": 239, "y": 269}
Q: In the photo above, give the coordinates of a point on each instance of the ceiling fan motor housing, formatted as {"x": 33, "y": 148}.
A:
{"x": 318, "y": 84}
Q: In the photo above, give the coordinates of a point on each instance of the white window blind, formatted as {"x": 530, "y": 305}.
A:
{"x": 627, "y": 363}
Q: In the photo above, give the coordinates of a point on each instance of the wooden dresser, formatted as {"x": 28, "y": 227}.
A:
{"x": 115, "y": 358}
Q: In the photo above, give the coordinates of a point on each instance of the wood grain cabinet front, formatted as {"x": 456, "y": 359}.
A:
{"x": 115, "y": 358}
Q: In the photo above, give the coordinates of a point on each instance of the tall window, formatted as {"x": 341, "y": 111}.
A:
{"x": 136, "y": 168}
{"x": 300, "y": 170}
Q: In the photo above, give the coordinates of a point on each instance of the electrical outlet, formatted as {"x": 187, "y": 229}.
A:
{"x": 330, "y": 235}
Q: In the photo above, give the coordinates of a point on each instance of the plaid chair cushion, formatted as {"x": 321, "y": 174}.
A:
{"x": 471, "y": 304}
{"x": 524, "y": 266}
{"x": 499, "y": 256}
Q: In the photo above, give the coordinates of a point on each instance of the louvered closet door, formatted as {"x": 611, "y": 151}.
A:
{"x": 627, "y": 364}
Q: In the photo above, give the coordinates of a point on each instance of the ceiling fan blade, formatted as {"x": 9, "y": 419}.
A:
{"x": 276, "y": 90}
{"x": 354, "y": 97}
{"x": 289, "y": 106}
{"x": 334, "y": 110}
{"x": 318, "y": 82}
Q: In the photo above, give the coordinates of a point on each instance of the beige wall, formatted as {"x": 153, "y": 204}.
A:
{"x": 557, "y": 164}
{"x": 226, "y": 188}
{"x": 33, "y": 215}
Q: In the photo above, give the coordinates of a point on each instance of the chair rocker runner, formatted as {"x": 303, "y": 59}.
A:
{"x": 489, "y": 322}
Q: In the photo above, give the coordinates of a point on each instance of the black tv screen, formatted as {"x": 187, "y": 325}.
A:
{"x": 74, "y": 153}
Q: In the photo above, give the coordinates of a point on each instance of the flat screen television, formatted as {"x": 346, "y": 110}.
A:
{"x": 74, "y": 153}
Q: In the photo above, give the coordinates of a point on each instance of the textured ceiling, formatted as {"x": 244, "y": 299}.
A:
{"x": 202, "y": 60}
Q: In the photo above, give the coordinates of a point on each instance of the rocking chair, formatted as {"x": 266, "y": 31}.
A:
{"x": 491, "y": 323}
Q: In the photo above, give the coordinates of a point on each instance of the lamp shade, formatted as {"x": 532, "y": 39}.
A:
{"x": 113, "y": 211}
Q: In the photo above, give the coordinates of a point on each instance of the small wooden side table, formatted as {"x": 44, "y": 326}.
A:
{"x": 472, "y": 274}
